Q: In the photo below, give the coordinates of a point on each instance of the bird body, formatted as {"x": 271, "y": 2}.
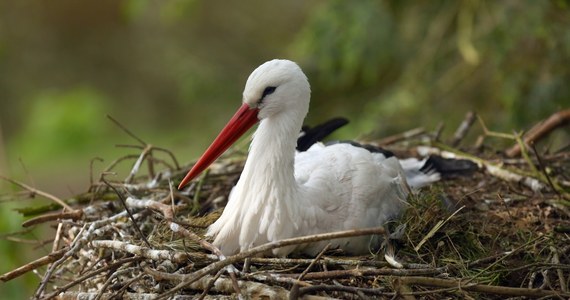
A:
{"x": 326, "y": 189}
{"x": 282, "y": 193}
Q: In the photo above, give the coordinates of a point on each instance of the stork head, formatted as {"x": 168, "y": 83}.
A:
{"x": 277, "y": 88}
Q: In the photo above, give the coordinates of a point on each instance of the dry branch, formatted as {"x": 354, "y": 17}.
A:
{"x": 492, "y": 168}
{"x": 33, "y": 265}
{"x": 541, "y": 130}
{"x": 361, "y": 272}
{"x": 153, "y": 254}
{"x": 401, "y": 136}
{"x": 118, "y": 263}
{"x": 38, "y": 192}
{"x": 253, "y": 290}
{"x": 463, "y": 129}
{"x": 215, "y": 267}
{"x": 73, "y": 215}
{"x": 481, "y": 288}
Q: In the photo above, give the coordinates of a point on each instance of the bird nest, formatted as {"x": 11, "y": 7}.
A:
{"x": 503, "y": 231}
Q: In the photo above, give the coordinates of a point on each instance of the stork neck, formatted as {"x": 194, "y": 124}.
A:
{"x": 270, "y": 164}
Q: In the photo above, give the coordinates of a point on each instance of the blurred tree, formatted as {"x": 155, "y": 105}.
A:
{"x": 389, "y": 62}
{"x": 61, "y": 123}
{"x": 347, "y": 42}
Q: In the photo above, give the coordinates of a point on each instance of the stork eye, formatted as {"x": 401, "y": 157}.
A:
{"x": 268, "y": 91}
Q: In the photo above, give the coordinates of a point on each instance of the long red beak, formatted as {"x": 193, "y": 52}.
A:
{"x": 242, "y": 120}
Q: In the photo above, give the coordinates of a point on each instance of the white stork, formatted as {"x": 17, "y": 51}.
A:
{"x": 283, "y": 193}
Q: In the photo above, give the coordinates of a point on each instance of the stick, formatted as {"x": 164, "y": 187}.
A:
{"x": 112, "y": 266}
{"x": 168, "y": 213}
{"x": 254, "y": 290}
{"x": 463, "y": 129}
{"x": 73, "y": 215}
{"x": 178, "y": 257}
{"x": 493, "y": 169}
{"x": 126, "y": 130}
{"x": 176, "y": 164}
{"x": 346, "y": 289}
{"x": 365, "y": 272}
{"x": 295, "y": 288}
{"x": 33, "y": 265}
{"x": 36, "y": 191}
{"x": 146, "y": 152}
{"x": 215, "y": 267}
{"x": 135, "y": 224}
{"x": 481, "y": 288}
{"x": 210, "y": 284}
{"x": 401, "y": 136}
{"x": 541, "y": 130}
{"x": 329, "y": 261}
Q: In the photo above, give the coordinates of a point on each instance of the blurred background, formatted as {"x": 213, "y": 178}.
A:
{"x": 172, "y": 71}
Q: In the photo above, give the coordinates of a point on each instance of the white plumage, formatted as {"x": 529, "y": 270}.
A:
{"x": 283, "y": 194}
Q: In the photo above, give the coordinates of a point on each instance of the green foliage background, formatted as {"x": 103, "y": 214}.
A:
{"x": 172, "y": 71}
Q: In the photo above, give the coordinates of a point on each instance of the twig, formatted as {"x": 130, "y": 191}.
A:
{"x": 271, "y": 278}
{"x": 126, "y": 130}
{"x": 210, "y": 284}
{"x": 33, "y": 265}
{"x": 559, "y": 272}
{"x": 525, "y": 155}
{"x": 73, "y": 215}
{"x": 57, "y": 238}
{"x": 500, "y": 259}
{"x": 537, "y": 265}
{"x": 480, "y": 288}
{"x": 215, "y": 267}
{"x": 488, "y": 132}
{"x": 463, "y": 128}
{"x": 295, "y": 289}
{"x": 38, "y": 192}
{"x": 556, "y": 188}
{"x": 114, "y": 163}
{"x": 126, "y": 285}
{"x": 315, "y": 260}
{"x": 86, "y": 234}
{"x": 401, "y": 136}
{"x": 187, "y": 233}
{"x": 108, "y": 282}
{"x": 169, "y": 216}
{"x": 47, "y": 275}
{"x": 541, "y": 130}
{"x": 438, "y": 130}
{"x": 126, "y": 296}
{"x": 493, "y": 169}
{"x": 365, "y": 272}
{"x": 176, "y": 164}
{"x": 153, "y": 254}
{"x": 146, "y": 152}
{"x": 135, "y": 224}
{"x": 166, "y": 210}
{"x": 435, "y": 228}
{"x": 254, "y": 290}
{"x": 112, "y": 266}
{"x": 341, "y": 288}
{"x": 330, "y": 261}
{"x": 197, "y": 192}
